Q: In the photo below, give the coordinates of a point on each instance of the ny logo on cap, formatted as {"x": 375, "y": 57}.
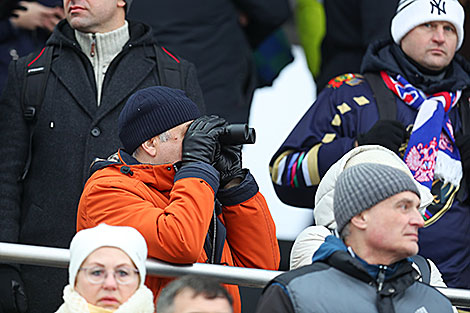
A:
{"x": 437, "y": 5}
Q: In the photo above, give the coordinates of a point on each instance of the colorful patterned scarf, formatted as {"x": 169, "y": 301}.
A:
{"x": 432, "y": 138}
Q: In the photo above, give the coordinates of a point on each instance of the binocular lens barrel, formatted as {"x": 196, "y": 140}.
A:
{"x": 237, "y": 134}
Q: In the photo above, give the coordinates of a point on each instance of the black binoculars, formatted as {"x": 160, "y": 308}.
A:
{"x": 238, "y": 134}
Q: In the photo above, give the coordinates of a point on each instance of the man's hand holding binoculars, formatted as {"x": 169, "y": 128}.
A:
{"x": 211, "y": 140}
{"x": 202, "y": 139}
{"x": 229, "y": 164}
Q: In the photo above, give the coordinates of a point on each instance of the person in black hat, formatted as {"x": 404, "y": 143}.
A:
{"x": 181, "y": 188}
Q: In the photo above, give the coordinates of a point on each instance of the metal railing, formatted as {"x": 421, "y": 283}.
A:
{"x": 248, "y": 277}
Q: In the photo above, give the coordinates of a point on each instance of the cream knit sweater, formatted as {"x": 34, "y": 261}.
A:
{"x": 101, "y": 49}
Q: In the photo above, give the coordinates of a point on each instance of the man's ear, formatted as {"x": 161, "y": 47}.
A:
{"x": 150, "y": 147}
{"x": 360, "y": 220}
{"x": 121, "y": 3}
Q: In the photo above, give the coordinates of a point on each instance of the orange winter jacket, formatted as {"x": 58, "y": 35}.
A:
{"x": 173, "y": 211}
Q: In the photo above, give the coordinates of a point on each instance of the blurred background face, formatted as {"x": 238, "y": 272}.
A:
{"x": 186, "y": 302}
{"x": 432, "y": 44}
{"x": 109, "y": 294}
{"x": 95, "y": 16}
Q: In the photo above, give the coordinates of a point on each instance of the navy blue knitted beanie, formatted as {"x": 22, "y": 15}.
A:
{"x": 152, "y": 111}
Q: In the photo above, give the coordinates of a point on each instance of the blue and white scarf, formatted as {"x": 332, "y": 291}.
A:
{"x": 431, "y": 150}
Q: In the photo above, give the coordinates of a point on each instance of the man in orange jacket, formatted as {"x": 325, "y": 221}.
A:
{"x": 183, "y": 190}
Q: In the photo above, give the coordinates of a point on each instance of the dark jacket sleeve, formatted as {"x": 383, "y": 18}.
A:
{"x": 376, "y": 17}
{"x": 6, "y": 30}
{"x": 275, "y": 300}
{"x": 191, "y": 83}
{"x": 14, "y": 138}
{"x": 324, "y": 134}
{"x": 263, "y": 17}
{"x": 246, "y": 216}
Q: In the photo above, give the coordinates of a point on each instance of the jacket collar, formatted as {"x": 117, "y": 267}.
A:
{"x": 129, "y": 69}
{"x": 334, "y": 252}
{"x": 388, "y": 56}
{"x": 159, "y": 176}
{"x": 63, "y": 34}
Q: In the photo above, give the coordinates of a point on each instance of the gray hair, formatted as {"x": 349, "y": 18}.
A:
{"x": 207, "y": 287}
{"x": 164, "y": 137}
{"x": 345, "y": 232}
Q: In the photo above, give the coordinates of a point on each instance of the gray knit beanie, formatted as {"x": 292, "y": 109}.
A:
{"x": 362, "y": 186}
{"x": 152, "y": 111}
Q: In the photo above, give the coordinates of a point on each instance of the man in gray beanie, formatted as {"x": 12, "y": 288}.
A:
{"x": 412, "y": 97}
{"x": 183, "y": 189}
{"x": 367, "y": 269}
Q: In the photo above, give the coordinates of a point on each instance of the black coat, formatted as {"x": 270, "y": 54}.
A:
{"x": 208, "y": 34}
{"x": 350, "y": 27}
{"x": 17, "y": 42}
{"x": 70, "y": 133}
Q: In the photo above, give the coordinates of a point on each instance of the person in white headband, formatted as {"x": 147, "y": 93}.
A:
{"x": 107, "y": 272}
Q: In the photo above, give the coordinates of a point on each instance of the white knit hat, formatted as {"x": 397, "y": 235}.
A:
{"x": 125, "y": 238}
{"x": 411, "y": 13}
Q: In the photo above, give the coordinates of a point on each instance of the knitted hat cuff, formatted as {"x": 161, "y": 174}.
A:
{"x": 152, "y": 111}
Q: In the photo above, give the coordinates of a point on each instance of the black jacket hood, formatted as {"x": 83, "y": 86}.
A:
{"x": 388, "y": 56}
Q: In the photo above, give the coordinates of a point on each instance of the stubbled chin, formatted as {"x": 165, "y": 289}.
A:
{"x": 78, "y": 24}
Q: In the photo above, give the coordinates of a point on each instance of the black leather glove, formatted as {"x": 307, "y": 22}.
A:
{"x": 7, "y": 7}
{"x": 229, "y": 163}
{"x": 463, "y": 144}
{"x": 201, "y": 141}
{"x": 387, "y": 133}
{"x": 13, "y": 298}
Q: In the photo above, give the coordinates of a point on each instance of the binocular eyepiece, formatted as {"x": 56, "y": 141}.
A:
{"x": 238, "y": 134}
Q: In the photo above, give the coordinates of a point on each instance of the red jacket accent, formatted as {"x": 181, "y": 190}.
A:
{"x": 174, "y": 218}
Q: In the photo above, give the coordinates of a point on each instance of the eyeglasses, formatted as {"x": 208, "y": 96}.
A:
{"x": 97, "y": 275}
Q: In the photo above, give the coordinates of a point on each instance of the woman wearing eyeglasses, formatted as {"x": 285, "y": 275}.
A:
{"x": 107, "y": 272}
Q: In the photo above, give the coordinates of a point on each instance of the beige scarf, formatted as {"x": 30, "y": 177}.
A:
{"x": 140, "y": 302}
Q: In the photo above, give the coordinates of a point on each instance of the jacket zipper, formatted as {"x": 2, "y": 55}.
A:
{"x": 214, "y": 239}
{"x": 381, "y": 277}
{"x": 93, "y": 45}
